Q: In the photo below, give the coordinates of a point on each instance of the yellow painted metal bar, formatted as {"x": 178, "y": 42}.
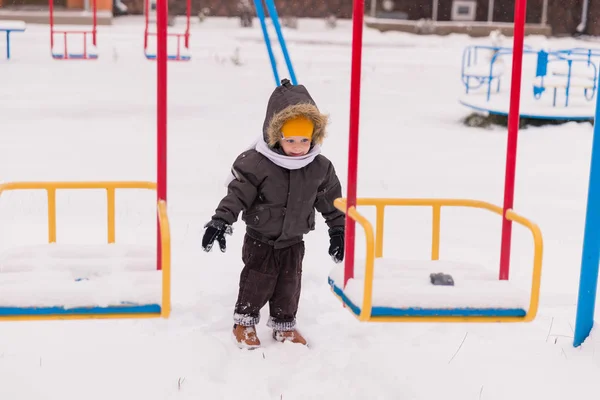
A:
{"x": 365, "y": 314}
{"x": 379, "y": 231}
{"x": 435, "y": 232}
{"x": 77, "y": 185}
{"x": 52, "y": 187}
{"x": 110, "y": 205}
{"x": 538, "y": 250}
{"x": 371, "y": 201}
{"x": 165, "y": 243}
{"x": 51, "y": 215}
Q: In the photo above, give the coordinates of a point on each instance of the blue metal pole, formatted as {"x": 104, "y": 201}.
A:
{"x": 260, "y": 13}
{"x": 590, "y": 257}
{"x": 286, "y": 55}
{"x": 8, "y": 45}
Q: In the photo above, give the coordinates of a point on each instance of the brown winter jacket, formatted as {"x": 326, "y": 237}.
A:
{"x": 279, "y": 204}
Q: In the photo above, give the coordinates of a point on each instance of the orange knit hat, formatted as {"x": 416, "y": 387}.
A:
{"x": 298, "y": 126}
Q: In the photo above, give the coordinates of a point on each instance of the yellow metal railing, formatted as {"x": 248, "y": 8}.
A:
{"x": 52, "y": 187}
{"x": 374, "y": 244}
{"x": 165, "y": 246}
{"x": 110, "y": 187}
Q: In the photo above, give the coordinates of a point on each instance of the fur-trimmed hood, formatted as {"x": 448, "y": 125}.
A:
{"x": 289, "y": 101}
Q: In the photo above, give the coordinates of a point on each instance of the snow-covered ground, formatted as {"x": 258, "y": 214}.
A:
{"x": 95, "y": 120}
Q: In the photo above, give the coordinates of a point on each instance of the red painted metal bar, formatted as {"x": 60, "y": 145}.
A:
{"x": 513, "y": 131}
{"x": 85, "y": 44}
{"x": 187, "y": 26}
{"x": 357, "y": 32}
{"x": 161, "y": 112}
{"x": 95, "y": 19}
{"x": 51, "y": 10}
{"x": 146, "y": 22}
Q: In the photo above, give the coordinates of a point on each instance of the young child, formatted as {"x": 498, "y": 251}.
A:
{"x": 278, "y": 184}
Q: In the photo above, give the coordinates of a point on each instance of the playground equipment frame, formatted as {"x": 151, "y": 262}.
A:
{"x": 260, "y": 12}
{"x": 588, "y": 280}
{"x": 65, "y": 55}
{"x": 513, "y": 129}
{"x": 127, "y": 311}
{"x": 590, "y": 255}
{"x": 374, "y": 242}
{"x": 351, "y": 199}
{"x": 186, "y": 35}
{"x": 163, "y": 249}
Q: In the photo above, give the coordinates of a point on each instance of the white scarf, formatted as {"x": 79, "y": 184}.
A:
{"x": 283, "y": 161}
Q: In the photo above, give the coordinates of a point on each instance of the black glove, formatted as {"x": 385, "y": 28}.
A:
{"x": 336, "y": 243}
{"x": 216, "y": 229}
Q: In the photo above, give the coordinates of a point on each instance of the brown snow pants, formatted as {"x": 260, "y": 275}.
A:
{"x": 269, "y": 275}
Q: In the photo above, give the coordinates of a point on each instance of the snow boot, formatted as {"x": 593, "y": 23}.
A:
{"x": 245, "y": 337}
{"x": 289, "y": 336}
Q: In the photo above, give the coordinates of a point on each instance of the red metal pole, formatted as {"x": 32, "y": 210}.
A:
{"x": 187, "y": 28}
{"x": 147, "y": 10}
{"x": 513, "y": 131}
{"x": 51, "y": 9}
{"x": 161, "y": 110}
{"x": 95, "y": 8}
{"x": 357, "y": 31}
{"x": 85, "y": 45}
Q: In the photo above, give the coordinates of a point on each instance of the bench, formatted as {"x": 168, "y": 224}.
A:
{"x": 11, "y": 26}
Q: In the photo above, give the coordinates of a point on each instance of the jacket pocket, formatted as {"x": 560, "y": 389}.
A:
{"x": 258, "y": 218}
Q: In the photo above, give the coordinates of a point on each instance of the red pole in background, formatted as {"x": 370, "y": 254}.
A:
{"x": 513, "y": 130}
{"x": 161, "y": 111}
{"x": 187, "y": 24}
{"x": 357, "y": 31}
{"x": 146, "y": 11}
{"x": 95, "y": 18}
{"x": 51, "y": 10}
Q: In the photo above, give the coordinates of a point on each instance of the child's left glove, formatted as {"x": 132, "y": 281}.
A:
{"x": 216, "y": 229}
{"x": 336, "y": 243}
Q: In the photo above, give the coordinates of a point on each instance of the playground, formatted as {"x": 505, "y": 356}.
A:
{"x": 559, "y": 84}
{"x": 98, "y": 120}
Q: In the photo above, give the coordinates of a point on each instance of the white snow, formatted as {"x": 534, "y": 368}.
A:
{"x": 71, "y": 276}
{"x": 13, "y": 25}
{"x": 402, "y": 284}
{"x": 79, "y": 120}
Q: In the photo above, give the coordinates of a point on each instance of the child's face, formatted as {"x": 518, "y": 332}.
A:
{"x": 295, "y": 146}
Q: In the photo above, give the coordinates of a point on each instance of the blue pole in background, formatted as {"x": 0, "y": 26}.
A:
{"x": 260, "y": 13}
{"x": 8, "y": 45}
{"x": 590, "y": 257}
{"x": 286, "y": 55}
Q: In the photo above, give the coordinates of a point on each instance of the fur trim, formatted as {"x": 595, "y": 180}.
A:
{"x": 309, "y": 111}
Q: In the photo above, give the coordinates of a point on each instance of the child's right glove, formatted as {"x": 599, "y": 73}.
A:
{"x": 216, "y": 229}
{"x": 336, "y": 243}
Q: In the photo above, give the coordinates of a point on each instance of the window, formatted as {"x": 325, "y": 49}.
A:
{"x": 463, "y": 10}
